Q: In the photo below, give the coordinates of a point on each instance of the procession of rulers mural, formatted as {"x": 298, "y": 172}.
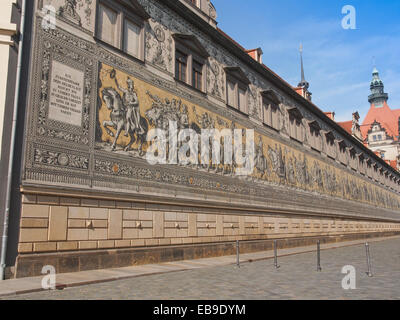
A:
{"x": 129, "y": 107}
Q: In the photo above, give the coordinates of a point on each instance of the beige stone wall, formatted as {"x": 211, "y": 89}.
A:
{"x": 5, "y": 40}
{"x": 50, "y": 224}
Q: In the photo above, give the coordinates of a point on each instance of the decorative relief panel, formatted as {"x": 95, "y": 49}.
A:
{"x": 65, "y": 94}
{"x": 56, "y": 158}
{"x": 159, "y": 46}
{"x": 215, "y": 79}
{"x": 77, "y": 12}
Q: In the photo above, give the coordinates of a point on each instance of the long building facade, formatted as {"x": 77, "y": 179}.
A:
{"x": 101, "y": 75}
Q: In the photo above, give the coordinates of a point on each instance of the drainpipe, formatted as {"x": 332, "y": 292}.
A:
{"x": 12, "y": 145}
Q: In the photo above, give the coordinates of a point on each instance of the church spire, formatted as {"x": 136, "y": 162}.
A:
{"x": 303, "y": 83}
{"x": 377, "y": 96}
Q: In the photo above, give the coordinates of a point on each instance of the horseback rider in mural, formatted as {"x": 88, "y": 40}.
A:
{"x": 131, "y": 101}
{"x": 124, "y": 115}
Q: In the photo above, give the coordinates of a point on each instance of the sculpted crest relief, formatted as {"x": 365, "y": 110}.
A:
{"x": 79, "y": 12}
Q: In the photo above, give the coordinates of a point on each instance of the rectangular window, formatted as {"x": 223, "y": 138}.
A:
{"x": 107, "y": 24}
{"x": 231, "y": 93}
{"x": 236, "y": 92}
{"x": 197, "y": 75}
{"x": 267, "y": 113}
{"x": 271, "y": 116}
{"x": 296, "y": 129}
{"x": 119, "y": 28}
{"x": 316, "y": 140}
{"x": 299, "y": 132}
{"x": 132, "y": 38}
{"x": 181, "y": 66}
{"x": 242, "y": 100}
{"x": 274, "y": 117}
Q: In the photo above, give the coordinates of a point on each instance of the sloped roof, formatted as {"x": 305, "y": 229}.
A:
{"x": 388, "y": 119}
{"x": 346, "y": 125}
{"x": 393, "y": 163}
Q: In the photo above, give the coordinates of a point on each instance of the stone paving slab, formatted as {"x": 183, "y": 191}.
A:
{"x": 33, "y": 284}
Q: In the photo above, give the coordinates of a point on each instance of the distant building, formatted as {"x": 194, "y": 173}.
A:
{"x": 380, "y": 128}
{"x": 353, "y": 127}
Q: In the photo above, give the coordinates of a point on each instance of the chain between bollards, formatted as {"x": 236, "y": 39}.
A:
{"x": 276, "y": 254}
{"x": 237, "y": 254}
{"x": 369, "y": 272}
{"x": 319, "y": 256}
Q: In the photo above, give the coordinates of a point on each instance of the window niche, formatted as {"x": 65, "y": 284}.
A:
{"x": 270, "y": 107}
{"x": 343, "y": 157}
{"x": 353, "y": 161}
{"x": 361, "y": 163}
{"x": 330, "y": 145}
{"x": 315, "y": 139}
{"x": 237, "y": 85}
{"x": 369, "y": 168}
{"x": 121, "y": 25}
{"x": 296, "y": 127}
{"x": 190, "y": 61}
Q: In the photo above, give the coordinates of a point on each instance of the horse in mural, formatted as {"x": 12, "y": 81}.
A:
{"x": 119, "y": 122}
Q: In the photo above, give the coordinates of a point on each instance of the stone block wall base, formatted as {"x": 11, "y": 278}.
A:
{"x": 29, "y": 265}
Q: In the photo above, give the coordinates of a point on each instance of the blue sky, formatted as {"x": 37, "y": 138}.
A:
{"x": 338, "y": 62}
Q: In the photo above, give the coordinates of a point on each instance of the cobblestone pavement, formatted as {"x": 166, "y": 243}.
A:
{"x": 296, "y": 278}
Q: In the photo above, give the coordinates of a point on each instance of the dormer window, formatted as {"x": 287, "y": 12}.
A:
{"x": 122, "y": 26}
{"x": 236, "y": 89}
{"x": 190, "y": 61}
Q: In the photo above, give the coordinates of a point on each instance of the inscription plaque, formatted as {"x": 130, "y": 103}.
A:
{"x": 66, "y": 94}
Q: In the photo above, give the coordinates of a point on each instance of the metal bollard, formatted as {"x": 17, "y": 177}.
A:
{"x": 319, "y": 256}
{"x": 276, "y": 255}
{"x": 369, "y": 272}
{"x": 237, "y": 254}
